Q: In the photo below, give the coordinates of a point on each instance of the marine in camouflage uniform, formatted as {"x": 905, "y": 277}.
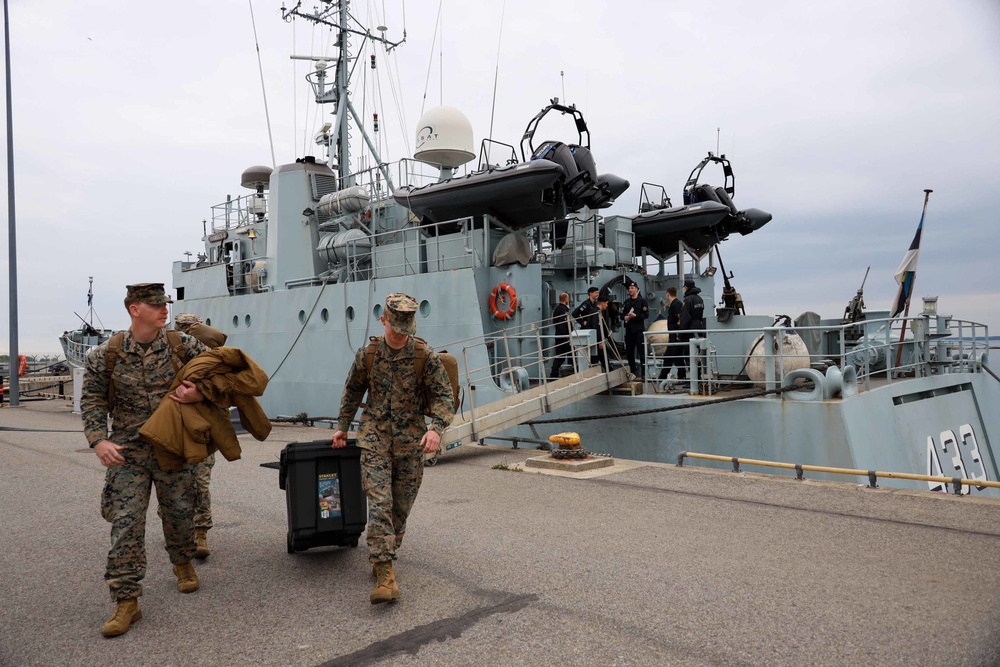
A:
{"x": 193, "y": 325}
{"x": 142, "y": 376}
{"x": 393, "y": 433}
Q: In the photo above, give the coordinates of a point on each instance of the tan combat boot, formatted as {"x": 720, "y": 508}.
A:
{"x": 201, "y": 543}
{"x": 385, "y": 589}
{"x": 126, "y": 613}
{"x": 187, "y": 580}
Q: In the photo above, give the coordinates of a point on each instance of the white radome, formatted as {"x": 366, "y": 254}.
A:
{"x": 444, "y": 138}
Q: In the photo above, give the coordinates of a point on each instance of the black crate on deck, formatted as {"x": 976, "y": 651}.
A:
{"x": 323, "y": 493}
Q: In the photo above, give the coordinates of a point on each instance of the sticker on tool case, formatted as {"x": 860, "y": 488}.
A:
{"x": 328, "y": 487}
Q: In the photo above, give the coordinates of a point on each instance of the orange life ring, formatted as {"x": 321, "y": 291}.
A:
{"x": 22, "y": 365}
{"x": 508, "y": 294}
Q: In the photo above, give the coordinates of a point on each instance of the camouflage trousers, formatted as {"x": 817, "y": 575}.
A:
{"x": 124, "y": 503}
{"x": 391, "y": 479}
{"x": 202, "y": 495}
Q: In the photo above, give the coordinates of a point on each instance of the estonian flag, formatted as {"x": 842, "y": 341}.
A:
{"x": 906, "y": 274}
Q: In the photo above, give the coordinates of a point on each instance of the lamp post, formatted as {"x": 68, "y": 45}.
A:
{"x": 15, "y": 385}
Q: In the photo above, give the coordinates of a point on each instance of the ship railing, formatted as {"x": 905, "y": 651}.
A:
{"x": 890, "y": 349}
{"x": 518, "y": 357}
{"x": 418, "y": 174}
{"x": 76, "y": 350}
{"x": 430, "y": 248}
{"x": 240, "y": 211}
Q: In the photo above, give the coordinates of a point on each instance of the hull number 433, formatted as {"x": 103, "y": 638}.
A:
{"x": 959, "y": 455}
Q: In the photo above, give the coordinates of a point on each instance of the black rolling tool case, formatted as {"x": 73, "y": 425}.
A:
{"x": 323, "y": 493}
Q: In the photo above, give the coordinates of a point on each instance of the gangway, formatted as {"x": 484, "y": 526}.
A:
{"x": 477, "y": 422}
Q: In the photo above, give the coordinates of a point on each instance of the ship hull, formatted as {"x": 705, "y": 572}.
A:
{"x": 930, "y": 426}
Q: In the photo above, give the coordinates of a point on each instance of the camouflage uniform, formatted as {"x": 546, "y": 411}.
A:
{"x": 193, "y": 325}
{"x": 142, "y": 379}
{"x": 392, "y": 425}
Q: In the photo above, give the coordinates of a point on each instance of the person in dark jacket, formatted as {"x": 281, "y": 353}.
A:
{"x": 676, "y": 352}
{"x": 561, "y": 325}
{"x": 636, "y": 311}
{"x": 600, "y": 357}
{"x": 692, "y": 316}
{"x": 586, "y": 312}
{"x": 693, "y": 311}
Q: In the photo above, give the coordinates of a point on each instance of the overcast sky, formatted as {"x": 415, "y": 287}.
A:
{"x": 132, "y": 119}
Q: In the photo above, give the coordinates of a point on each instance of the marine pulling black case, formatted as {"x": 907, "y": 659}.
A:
{"x": 323, "y": 493}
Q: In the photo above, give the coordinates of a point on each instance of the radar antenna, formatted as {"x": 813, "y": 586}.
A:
{"x": 335, "y": 14}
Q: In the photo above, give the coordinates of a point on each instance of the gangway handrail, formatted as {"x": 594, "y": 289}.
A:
{"x": 872, "y": 475}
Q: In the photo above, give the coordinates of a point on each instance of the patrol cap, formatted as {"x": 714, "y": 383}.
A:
{"x": 399, "y": 312}
{"x": 688, "y": 283}
{"x": 187, "y": 320}
{"x": 151, "y": 293}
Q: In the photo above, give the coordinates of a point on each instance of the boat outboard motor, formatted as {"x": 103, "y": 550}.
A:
{"x": 616, "y": 186}
{"x": 605, "y": 188}
{"x": 560, "y": 154}
{"x": 744, "y": 222}
{"x": 579, "y": 183}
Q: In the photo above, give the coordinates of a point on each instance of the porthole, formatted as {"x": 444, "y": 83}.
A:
{"x": 247, "y": 319}
{"x": 425, "y": 308}
{"x": 236, "y": 321}
{"x": 208, "y": 321}
{"x": 377, "y": 311}
{"x": 302, "y": 317}
{"x": 349, "y": 314}
{"x": 324, "y": 315}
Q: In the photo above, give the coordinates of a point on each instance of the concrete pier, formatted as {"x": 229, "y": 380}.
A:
{"x": 631, "y": 564}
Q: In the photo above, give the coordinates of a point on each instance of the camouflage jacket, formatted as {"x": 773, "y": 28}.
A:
{"x": 394, "y": 412}
{"x": 142, "y": 379}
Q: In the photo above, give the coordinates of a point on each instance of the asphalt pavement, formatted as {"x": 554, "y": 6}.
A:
{"x": 638, "y": 564}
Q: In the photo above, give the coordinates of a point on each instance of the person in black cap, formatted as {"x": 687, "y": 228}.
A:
{"x": 601, "y": 356}
{"x": 692, "y": 312}
{"x": 636, "y": 311}
{"x": 676, "y": 352}
{"x": 561, "y": 325}
{"x": 585, "y": 313}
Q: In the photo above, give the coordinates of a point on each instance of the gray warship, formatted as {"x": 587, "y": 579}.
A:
{"x": 76, "y": 343}
{"x": 296, "y": 269}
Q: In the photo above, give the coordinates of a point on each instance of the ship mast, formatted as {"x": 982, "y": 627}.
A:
{"x": 335, "y": 14}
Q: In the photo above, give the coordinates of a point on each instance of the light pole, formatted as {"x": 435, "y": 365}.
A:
{"x": 15, "y": 385}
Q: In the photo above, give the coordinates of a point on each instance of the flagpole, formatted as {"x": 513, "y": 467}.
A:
{"x": 906, "y": 309}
